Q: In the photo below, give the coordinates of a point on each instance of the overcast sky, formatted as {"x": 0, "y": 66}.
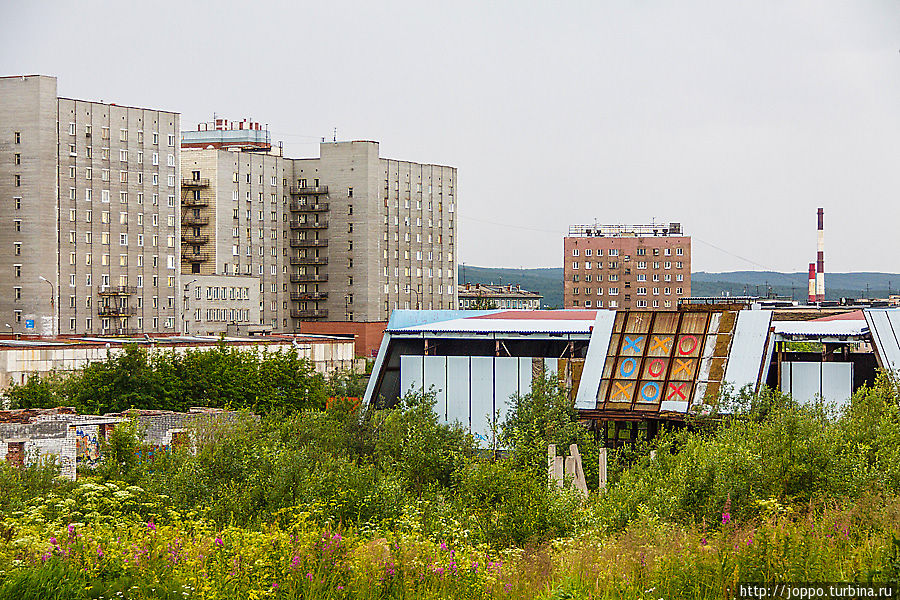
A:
{"x": 737, "y": 119}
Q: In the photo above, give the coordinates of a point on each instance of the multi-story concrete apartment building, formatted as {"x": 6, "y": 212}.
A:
{"x": 90, "y": 243}
{"x": 626, "y": 266}
{"x": 348, "y": 236}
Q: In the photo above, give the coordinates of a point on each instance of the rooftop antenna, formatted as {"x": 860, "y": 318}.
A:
{"x": 334, "y": 139}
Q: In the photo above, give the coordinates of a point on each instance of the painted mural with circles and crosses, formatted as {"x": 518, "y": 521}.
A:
{"x": 659, "y": 362}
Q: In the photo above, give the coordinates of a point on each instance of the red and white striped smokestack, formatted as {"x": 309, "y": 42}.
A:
{"x": 812, "y": 283}
{"x": 820, "y": 258}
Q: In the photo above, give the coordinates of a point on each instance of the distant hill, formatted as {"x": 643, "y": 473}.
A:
{"x": 754, "y": 283}
{"x": 548, "y": 282}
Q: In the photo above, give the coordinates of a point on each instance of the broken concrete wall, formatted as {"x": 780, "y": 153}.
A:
{"x": 76, "y": 440}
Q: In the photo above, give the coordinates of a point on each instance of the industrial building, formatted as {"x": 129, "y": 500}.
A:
{"x": 23, "y": 358}
{"x": 628, "y": 372}
{"x": 345, "y": 237}
{"x": 90, "y": 243}
{"x": 624, "y": 267}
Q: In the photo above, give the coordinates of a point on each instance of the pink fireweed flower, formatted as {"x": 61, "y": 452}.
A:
{"x": 295, "y": 562}
{"x": 726, "y": 517}
{"x": 508, "y": 587}
{"x": 150, "y": 525}
{"x": 54, "y": 542}
{"x": 71, "y": 529}
{"x": 309, "y": 576}
{"x": 443, "y": 545}
{"x": 219, "y": 541}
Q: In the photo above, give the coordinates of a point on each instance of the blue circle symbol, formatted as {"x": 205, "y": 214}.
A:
{"x": 630, "y": 371}
{"x": 654, "y": 388}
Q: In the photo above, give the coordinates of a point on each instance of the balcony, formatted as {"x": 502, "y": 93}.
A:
{"x": 309, "y": 314}
{"x": 115, "y": 311}
{"x": 295, "y": 243}
{"x": 308, "y": 261}
{"x": 195, "y": 183}
{"x": 319, "y": 190}
{"x": 308, "y": 296}
{"x": 309, "y": 278}
{"x": 117, "y": 290}
{"x": 194, "y": 202}
{"x": 195, "y": 221}
{"x": 195, "y": 258}
{"x": 194, "y": 239}
{"x": 303, "y": 225}
{"x": 317, "y": 207}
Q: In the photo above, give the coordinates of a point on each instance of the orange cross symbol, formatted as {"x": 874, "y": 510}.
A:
{"x": 624, "y": 390}
{"x": 683, "y": 366}
{"x": 659, "y": 342}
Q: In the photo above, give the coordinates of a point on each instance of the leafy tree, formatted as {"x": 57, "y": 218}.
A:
{"x": 546, "y": 415}
{"x": 120, "y": 453}
{"x": 412, "y": 443}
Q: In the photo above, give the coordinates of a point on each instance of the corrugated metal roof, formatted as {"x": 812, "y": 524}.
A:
{"x": 853, "y": 315}
{"x": 518, "y": 326}
{"x": 748, "y": 348}
{"x": 885, "y": 326}
{"x": 834, "y": 328}
{"x": 595, "y": 359}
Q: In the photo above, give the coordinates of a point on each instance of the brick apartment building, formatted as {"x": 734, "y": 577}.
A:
{"x": 626, "y": 266}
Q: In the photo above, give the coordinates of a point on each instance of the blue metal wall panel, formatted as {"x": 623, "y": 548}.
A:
{"x": 412, "y": 374}
{"x": 458, "y": 385}
{"x": 525, "y": 375}
{"x": 435, "y": 380}
{"x": 837, "y": 382}
{"x": 482, "y": 398}
{"x": 807, "y": 381}
{"x": 506, "y": 384}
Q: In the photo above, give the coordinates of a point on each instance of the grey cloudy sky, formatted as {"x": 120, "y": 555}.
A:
{"x": 736, "y": 118}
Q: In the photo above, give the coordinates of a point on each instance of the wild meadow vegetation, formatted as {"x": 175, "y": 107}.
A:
{"x": 349, "y": 502}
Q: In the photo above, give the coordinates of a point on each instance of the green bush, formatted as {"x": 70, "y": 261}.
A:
{"x": 544, "y": 416}
{"x": 224, "y": 377}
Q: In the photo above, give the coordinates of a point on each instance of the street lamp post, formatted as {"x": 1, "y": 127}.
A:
{"x": 416, "y": 292}
{"x": 53, "y": 327}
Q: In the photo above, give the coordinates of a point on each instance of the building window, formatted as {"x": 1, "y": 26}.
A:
{"x": 18, "y": 137}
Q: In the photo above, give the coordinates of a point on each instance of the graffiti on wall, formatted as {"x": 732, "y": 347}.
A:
{"x": 87, "y": 449}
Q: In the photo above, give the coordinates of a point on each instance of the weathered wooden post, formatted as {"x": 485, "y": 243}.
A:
{"x": 577, "y": 470}
{"x": 603, "y": 479}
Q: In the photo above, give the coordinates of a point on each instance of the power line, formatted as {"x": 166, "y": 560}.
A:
{"x": 509, "y": 226}
{"x": 738, "y": 256}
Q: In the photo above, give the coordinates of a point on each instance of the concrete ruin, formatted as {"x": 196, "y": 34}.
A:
{"x": 72, "y": 440}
